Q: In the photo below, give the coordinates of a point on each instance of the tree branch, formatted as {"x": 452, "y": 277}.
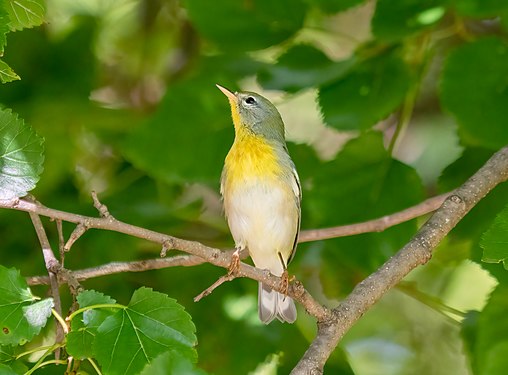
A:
{"x": 108, "y": 222}
{"x": 119, "y": 267}
{"x": 53, "y": 267}
{"x": 332, "y": 324}
{"x": 416, "y": 252}
{"x": 208, "y": 254}
{"x": 375, "y": 225}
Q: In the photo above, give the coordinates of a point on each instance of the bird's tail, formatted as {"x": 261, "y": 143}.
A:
{"x": 272, "y": 304}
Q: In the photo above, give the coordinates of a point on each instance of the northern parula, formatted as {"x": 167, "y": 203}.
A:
{"x": 262, "y": 194}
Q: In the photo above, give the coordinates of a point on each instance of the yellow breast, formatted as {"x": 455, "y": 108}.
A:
{"x": 250, "y": 156}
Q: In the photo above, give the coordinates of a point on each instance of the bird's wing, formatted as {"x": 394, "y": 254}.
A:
{"x": 297, "y": 190}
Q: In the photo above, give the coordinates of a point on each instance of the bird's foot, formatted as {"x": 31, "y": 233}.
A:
{"x": 234, "y": 266}
{"x": 284, "y": 281}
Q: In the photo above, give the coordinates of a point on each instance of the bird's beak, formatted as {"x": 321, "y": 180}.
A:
{"x": 231, "y": 96}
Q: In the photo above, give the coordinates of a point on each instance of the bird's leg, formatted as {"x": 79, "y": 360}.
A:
{"x": 234, "y": 266}
{"x": 284, "y": 277}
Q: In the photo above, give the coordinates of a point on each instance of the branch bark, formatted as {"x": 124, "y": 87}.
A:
{"x": 375, "y": 225}
{"x": 416, "y": 252}
{"x": 53, "y": 267}
{"x": 207, "y": 254}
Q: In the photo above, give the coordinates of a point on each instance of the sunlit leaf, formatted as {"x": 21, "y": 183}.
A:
{"x": 25, "y": 13}
{"x": 21, "y": 315}
{"x": 6, "y": 73}
{"x": 478, "y": 104}
{"x": 21, "y": 156}
{"x": 367, "y": 94}
{"x": 151, "y": 324}
{"x": 4, "y": 26}
{"x": 269, "y": 366}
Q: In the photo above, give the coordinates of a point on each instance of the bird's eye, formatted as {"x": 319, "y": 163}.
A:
{"x": 250, "y": 100}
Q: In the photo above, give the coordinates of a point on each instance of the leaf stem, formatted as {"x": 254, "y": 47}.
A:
{"x": 94, "y": 365}
{"x": 39, "y": 365}
{"x": 433, "y": 302}
{"x": 405, "y": 118}
{"x": 38, "y": 349}
{"x": 40, "y": 362}
{"x": 422, "y": 62}
{"x": 60, "y": 320}
{"x": 98, "y": 306}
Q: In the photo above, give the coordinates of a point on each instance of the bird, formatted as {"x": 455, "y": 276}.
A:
{"x": 262, "y": 196}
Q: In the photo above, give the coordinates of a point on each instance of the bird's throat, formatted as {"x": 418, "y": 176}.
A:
{"x": 251, "y": 157}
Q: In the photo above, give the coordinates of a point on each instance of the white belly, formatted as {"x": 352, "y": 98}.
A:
{"x": 263, "y": 218}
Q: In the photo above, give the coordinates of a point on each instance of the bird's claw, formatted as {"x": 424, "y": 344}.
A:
{"x": 234, "y": 266}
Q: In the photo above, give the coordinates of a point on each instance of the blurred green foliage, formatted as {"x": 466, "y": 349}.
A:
{"x": 123, "y": 93}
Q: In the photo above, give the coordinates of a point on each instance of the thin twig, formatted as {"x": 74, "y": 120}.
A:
{"x": 120, "y": 267}
{"x": 209, "y": 254}
{"x": 416, "y": 252}
{"x": 61, "y": 242}
{"x": 102, "y": 208}
{"x": 53, "y": 268}
{"x": 376, "y": 225}
{"x": 80, "y": 229}
{"x": 224, "y": 278}
{"x": 166, "y": 246}
{"x": 117, "y": 267}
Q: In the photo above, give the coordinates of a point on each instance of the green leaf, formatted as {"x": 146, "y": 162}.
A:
{"x": 171, "y": 363}
{"x": 370, "y": 92}
{"x": 83, "y": 331}
{"x": 478, "y": 104}
{"x": 246, "y": 25}
{"x": 151, "y": 324}
{"x": 6, "y": 370}
{"x": 492, "y": 334}
{"x": 495, "y": 240}
{"x": 478, "y": 220}
{"x": 7, "y": 74}
{"x": 21, "y": 317}
{"x": 300, "y": 67}
{"x": 163, "y": 146}
{"x": 21, "y": 156}
{"x": 395, "y": 20}
{"x": 25, "y": 13}
{"x": 7, "y": 353}
{"x": 480, "y": 8}
{"x": 4, "y": 28}
{"x": 335, "y": 6}
{"x": 365, "y": 185}
{"x": 468, "y": 332}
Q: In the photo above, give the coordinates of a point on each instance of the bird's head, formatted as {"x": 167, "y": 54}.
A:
{"x": 255, "y": 113}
